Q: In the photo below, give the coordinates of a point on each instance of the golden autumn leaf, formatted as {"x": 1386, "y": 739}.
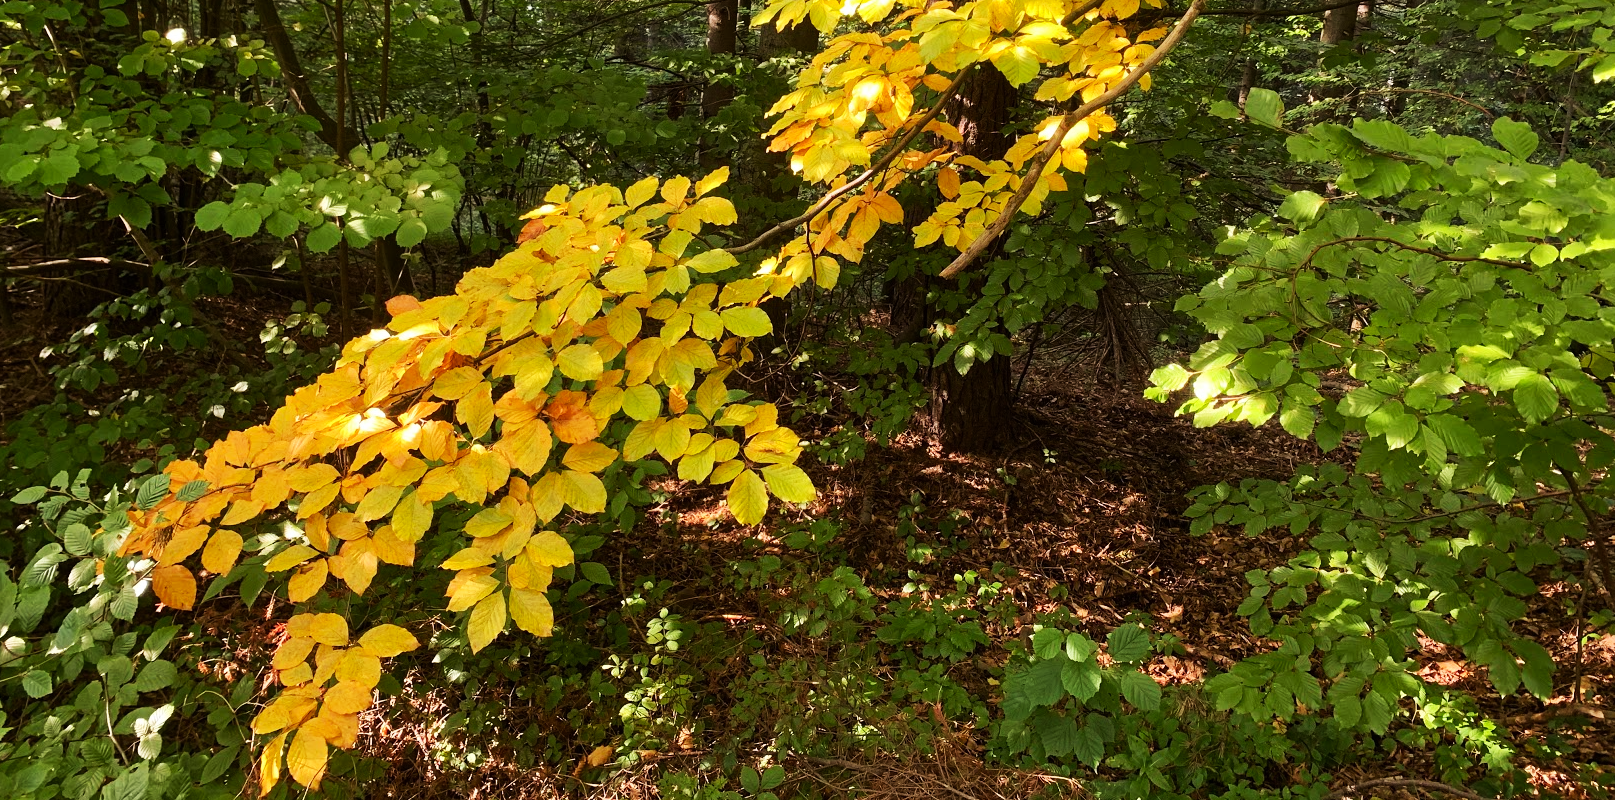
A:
{"x": 789, "y": 483}
{"x": 360, "y": 667}
{"x": 292, "y": 652}
{"x": 531, "y": 611}
{"x": 470, "y": 587}
{"x": 175, "y": 586}
{"x": 487, "y": 621}
{"x": 182, "y": 544}
{"x": 306, "y": 758}
{"x": 388, "y": 640}
{"x": 589, "y": 457}
{"x": 307, "y": 581}
{"x": 290, "y": 557}
{"x": 468, "y": 558}
{"x": 412, "y": 517}
{"x": 269, "y": 765}
{"x": 747, "y": 499}
{"x": 348, "y": 697}
{"x": 329, "y": 629}
{"x": 222, "y": 551}
{"x": 487, "y": 522}
{"x": 549, "y": 549}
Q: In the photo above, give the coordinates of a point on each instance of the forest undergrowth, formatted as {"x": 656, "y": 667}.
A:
{"x": 859, "y": 642}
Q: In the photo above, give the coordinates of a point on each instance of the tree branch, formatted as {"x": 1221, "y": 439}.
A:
{"x": 874, "y": 169}
{"x": 69, "y": 264}
{"x": 1051, "y": 147}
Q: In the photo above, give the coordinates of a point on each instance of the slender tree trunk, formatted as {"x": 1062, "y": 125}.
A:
{"x": 722, "y": 38}
{"x": 334, "y": 131}
{"x": 1247, "y": 76}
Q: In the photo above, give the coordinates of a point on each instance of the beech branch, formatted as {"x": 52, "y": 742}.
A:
{"x": 1052, "y": 146}
{"x": 874, "y": 169}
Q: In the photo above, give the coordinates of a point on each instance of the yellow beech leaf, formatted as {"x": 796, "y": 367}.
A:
{"x": 534, "y": 375}
{"x": 307, "y": 582}
{"x": 712, "y": 261}
{"x": 575, "y": 425}
{"x": 789, "y": 483}
{"x": 487, "y": 621}
{"x": 583, "y": 492}
{"x": 527, "y": 446}
{"x": 697, "y": 466}
{"x": 360, "y": 570}
{"x": 285, "y": 711}
{"x": 347, "y": 697}
{"x": 749, "y": 321}
{"x": 766, "y": 418}
{"x": 637, "y": 194}
{"x": 589, "y": 457}
{"x": 392, "y": 550}
{"x": 310, "y": 477}
{"x": 412, "y": 517}
{"x": 379, "y": 502}
{"x": 487, "y": 522}
{"x": 242, "y": 511}
{"x": 531, "y": 611}
{"x": 182, "y": 544}
{"x": 467, "y": 589}
{"x": 175, "y": 586}
{"x": 777, "y": 446}
{"x": 292, "y": 652}
{"x": 549, "y": 549}
{"x": 269, "y": 765}
{"x": 305, "y": 758}
{"x": 290, "y": 557}
{"x": 317, "y": 500}
{"x": 297, "y": 675}
{"x": 580, "y": 362}
{"x": 388, "y": 640}
{"x": 359, "y": 667}
{"x": 747, "y": 499}
{"x": 467, "y": 559}
{"x": 725, "y": 471}
{"x": 329, "y": 629}
{"x": 476, "y": 409}
{"x": 222, "y": 550}
{"x": 641, "y": 402}
{"x": 457, "y": 383}
{"x": 711, "y": 181}
{"x": 341, "y": 730}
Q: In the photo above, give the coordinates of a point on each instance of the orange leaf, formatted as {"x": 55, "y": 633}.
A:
{"x": 220, "y": 555}
{"x": 175, "y": 586}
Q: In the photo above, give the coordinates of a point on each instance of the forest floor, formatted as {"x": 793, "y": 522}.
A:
{"x": 1083, "y": 510}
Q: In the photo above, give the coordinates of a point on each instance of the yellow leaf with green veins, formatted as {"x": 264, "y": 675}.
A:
{"x": 725, "y": 472}
{"x": 532, "y": 612}
{"x": 584, "y": 492}
{"x": 549, "y": 549}
{"x": 487, "y": 621}
{"x": 789, "y": 483}
{"x": 748, "y": 321}
{"x": 466, "y": 559}
{"x": 487, "y": 522}
{"x": 388, "y": 640}
{"x": 589, "y": 457}
{"x": 290, "y": 557}
{"x": 747, "y": 499}
{"x": 580, "y": 362}
{"x": 467, "y": 589}
{"x": 641, "y": 402}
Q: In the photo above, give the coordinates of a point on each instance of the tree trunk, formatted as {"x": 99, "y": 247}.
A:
{"x": 966, "y": 412}
{"x": 722, "y": 38}
{"x": 773, "y": 175}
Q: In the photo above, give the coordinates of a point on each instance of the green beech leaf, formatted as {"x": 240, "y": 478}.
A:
{"x": 1515, "y": 137}
{"x": 1129, "y": 644}
{"x": 1264, "y": 106}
